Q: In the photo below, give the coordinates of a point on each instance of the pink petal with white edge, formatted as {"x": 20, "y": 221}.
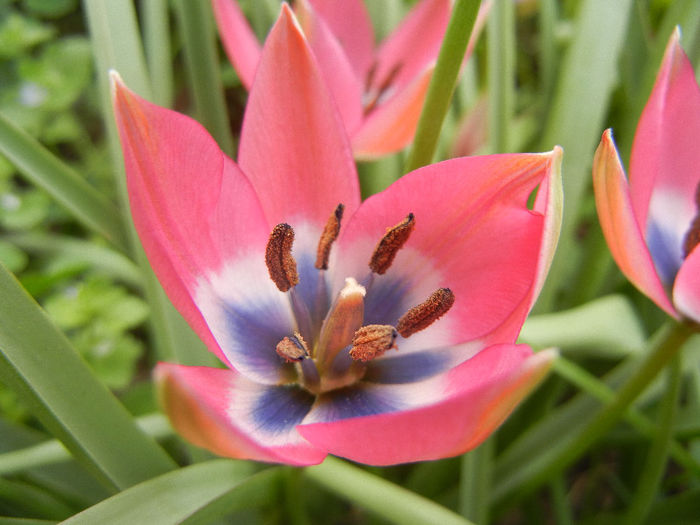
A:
{"x": 550, "y": 203}
{"x": 213, "y": 409}
{"x": 351, "y": 25}
{"x": 344, "y": 84}
{"x": 478, "y": 396}
{"x": 686, "y": 289}
{"x": 474, "y": 234}
{"x": 620, "y": 226}
{"x": 665, "y": 155}
{"x": 193, "y": 209}
{"x": 293, "y": 144}
{"x": 414, "y": 44}
{"x": 391, "y": 126}
{"x": 240, "y": 43}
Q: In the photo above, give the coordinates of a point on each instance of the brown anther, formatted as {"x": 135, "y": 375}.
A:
{"x": 390, "y": 244}
{"x": 278, "y": 257}
{"x": 293, "y": 348}
{"x": 692, "y": 237}
{"x": 422, "y": 316}
{"x": 372, "y": 340}
{"x": 329, "y": 235}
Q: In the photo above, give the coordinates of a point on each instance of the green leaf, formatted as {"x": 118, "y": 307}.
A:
{"x": 606, "y": 327}
{"x": 194, "y": 494}
{"x": 38, "y": 362}
{"x": 381, "y": 497}
{"x": 61, "y": 182}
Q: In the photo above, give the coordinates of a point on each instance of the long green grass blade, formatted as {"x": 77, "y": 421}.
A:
{"x": 38, "y": 362}
{"x": 501, "y": 74}
{"x": 45, "y": 170}
{"x": 381, "y": 497}
{"x": 194, "y": 494}
{"x": 442, "y": 85}
{"x": 156, "y": 36}
{"x": 199, "y": 39}
{"x": 587, "y": 77}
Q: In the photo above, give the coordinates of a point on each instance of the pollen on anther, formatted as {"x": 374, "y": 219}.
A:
{"x": 371, "y": 341}
{"x": 422, "y": 316}
{"x": 278, "y": 257}
{"x": 390, "y": 244}
{"x": 292, "y": 348}
{"x": 328, "y": 237}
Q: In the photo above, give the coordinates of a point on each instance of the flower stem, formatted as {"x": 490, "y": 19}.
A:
{"x": 379, "y": 496}
{"x": 653, "y": 470}
{"x": 442, "y": 84}
{"x": 475, "y": 482}
{"x": 501, "y": 73}
{"x": 572, "y": 446}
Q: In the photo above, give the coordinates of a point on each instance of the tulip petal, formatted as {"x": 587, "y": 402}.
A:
{"x": 392, "y": 125}
{"x": 474, "y": 234}
{"x": 192, "y": 207}
{"x": 620, "y": 226}
{"x": 343, "y": 82}
{"x": 293, "y": 145}
{"x": 222, "y": 411}
{"x": 665, "y": 155}
{"x": 240, "y": 43}
{"x": 413, "y": 45}
{"x": 351, "y": 25}
{"x": 686, "y": 289}
{"x": 476, "y": 397}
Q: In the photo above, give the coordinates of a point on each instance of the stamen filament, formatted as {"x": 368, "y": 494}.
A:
{"x": 422, "y": 316}
{"x": 389, "y": 245}
{"x": 278, "y": 257}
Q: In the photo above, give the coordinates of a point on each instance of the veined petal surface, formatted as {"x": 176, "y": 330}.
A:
{"x": 665, "y": 159}
{"x": 294, "y": 148}
{"x": 351, "y": 25}
{"x": 226, "y": 413}
{"x": 474, "y": 234}
{"x": 620, "y": 225}
{"x": 473, "y": 400}
{"x": 192, "y": 207}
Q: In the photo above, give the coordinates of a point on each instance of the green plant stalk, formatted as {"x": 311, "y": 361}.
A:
{"x": 556, "y": 459}
{"x": 590, "y": 384}
{"x": 381, "y": 497}
{"x": 548, "y": 48}
{"x": 501, "y": 73}
{"x": 443, "y": 82}
{"x": 157, "y": 46}
{"x": 45, "y": 170}
{"x": 653, "y": 470}
{"x": 202, "y": 65}
{"x": 475, "y": 482}
{"x": 560, "y": 504}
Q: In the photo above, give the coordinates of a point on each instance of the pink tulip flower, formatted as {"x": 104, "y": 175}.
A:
{"x": 652, "y": 224}
{"x": 379, "y": 93}
{"x": 379, "y": 331}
